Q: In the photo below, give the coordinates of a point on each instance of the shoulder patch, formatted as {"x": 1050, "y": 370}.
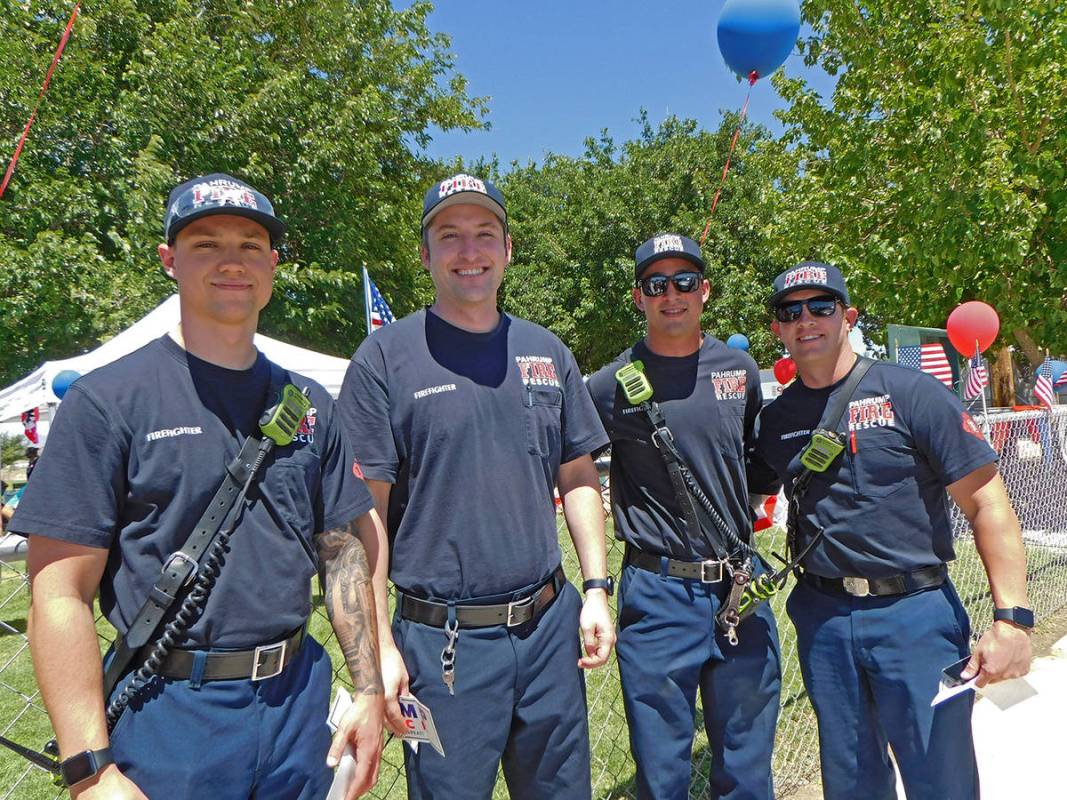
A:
{"x": 970, "y": 426}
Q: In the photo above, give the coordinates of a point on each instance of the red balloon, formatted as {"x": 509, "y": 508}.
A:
{"x": 785, "y": 369}
{"x": 972, "y": 322}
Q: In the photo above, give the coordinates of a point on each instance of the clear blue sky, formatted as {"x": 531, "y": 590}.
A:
{"x": 557, "y": 72}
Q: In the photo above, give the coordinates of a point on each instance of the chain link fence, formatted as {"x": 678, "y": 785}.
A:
{"x": 1033, "y": 461}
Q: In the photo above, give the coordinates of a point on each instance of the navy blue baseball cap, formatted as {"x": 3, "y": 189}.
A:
{"x": 666, "y": 245}
{"x": 809, "y": 275}
{"x": 459, "y": 189}
{"x": 218, "y": 193}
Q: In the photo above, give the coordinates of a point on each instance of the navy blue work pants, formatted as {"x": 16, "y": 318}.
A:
{"x": 871, "y": 666}
{"x": 668, "y": 648}
{"x": 232, "y": 739}
{"x": 519, "y": 702}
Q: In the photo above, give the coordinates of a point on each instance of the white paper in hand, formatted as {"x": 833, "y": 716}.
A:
{"x": 346, "y": 768}
{"x": 419, "y": 723}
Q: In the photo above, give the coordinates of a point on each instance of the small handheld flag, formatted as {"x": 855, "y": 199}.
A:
{"x": 376, "y": 309}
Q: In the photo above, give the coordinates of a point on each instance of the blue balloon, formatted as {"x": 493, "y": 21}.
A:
{"x": 1058, "y": 368}
{"x": 758, "y": 35}
{"x": 62, "y": 381}
{"x": 738, "y": 341}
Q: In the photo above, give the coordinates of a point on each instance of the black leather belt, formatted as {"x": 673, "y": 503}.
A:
{"x": 880, "y": 587}
{"x": 514, "y": 613}
{"x": 262, "y": 662}
{"x": 703, "y": 571}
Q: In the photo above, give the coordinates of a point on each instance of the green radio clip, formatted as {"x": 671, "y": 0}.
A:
{"x": 282, "y": 420}
{"x": 635, "y": 384}
{"x": 825, "y": 446}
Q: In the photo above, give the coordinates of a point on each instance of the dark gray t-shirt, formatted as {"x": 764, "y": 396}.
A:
{"x": 138, "y": 449}
{"x": 471, "y": 428}
{"x": 709, "y": 401}
{"x": 883, "y": 501}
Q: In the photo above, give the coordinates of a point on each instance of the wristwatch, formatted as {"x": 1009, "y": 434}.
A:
{"x": 1023, "y": 617}
{"x": 607, "y": 584}
{"x": 85, "y": 765}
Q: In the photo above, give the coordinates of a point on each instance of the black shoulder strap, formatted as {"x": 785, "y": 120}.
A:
{"x": 830, "y": 422}
{"x": 181, "y": 567}
{"x": 848, "y": 390}
{"x": 831, "y": 418}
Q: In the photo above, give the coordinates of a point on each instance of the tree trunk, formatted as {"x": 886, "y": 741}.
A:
{"x": 1030, "y": 348}
{"x": 1002, "y": 379}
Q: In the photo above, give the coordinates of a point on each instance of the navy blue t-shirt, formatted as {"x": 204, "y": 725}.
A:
{"x": 471, "y": 429}
{"x": 882, "y": 502}
{"x": 709, "y": 400}
{"x": 138, "y": 449}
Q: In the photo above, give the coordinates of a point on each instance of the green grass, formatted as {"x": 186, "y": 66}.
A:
{"x": 796, "y": 751}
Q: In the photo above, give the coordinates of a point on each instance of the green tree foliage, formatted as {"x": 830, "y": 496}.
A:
{"x": 322, "y": 104}
{"x": 577, "y": 221}
{"x": 936, "y": 173}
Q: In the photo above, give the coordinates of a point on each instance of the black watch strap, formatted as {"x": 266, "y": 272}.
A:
{"x": 84, "y": 765}
{"x": 1023, "y": 617}
{"x": 607, "y": 584}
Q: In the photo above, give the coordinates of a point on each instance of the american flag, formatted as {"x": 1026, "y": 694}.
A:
{"x": 378, "y": 313}
{"x": 1043, "y": 391}
{"x": 1060, "y": 381}
{"x": 977, "y": 378}
{"x": 929, "y": 358}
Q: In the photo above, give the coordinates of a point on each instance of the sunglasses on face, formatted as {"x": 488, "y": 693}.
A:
{"x": 822, "y": 306}
{"x": 684, "y": 282}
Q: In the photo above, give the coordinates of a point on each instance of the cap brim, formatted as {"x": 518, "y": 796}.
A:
{"x": 275, "y": 227}
{"x": 777, "y": 296}
{"x": 652, "y": 259}
{"x": 471, "y": 199}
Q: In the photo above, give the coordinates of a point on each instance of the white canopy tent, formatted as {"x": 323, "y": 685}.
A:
{"x": 35, "y": 390}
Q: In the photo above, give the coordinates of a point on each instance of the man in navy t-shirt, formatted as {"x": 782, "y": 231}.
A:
{"x": 237, "y": 708}
{"x": 675, "y": 579}
{"x": 464, "y": 420}
{"x": 876, "y": 616}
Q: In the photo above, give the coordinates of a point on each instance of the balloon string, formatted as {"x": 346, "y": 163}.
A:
{"x": 753, "y": 76}
{"x": 44, "y": 88}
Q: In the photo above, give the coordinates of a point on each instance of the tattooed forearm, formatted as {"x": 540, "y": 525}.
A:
{"x": 350, "y": 604}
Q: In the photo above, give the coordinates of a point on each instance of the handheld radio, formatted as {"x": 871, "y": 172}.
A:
{"x": 635, "y": 385}
{"x": 282, "y": 420}
{"x": 824, "y": 447}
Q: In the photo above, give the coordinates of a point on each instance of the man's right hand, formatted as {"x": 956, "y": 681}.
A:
{"x": 108, "y": 784}
{"x": 395, "y": 681}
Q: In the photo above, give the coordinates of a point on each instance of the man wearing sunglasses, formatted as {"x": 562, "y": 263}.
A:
{"x": 674, "y": 580}
{"x": 876, "y": 616}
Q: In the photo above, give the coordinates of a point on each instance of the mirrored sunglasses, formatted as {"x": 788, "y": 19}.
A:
{"x": 684, "y": 282}
{"x": 822, "y": 306}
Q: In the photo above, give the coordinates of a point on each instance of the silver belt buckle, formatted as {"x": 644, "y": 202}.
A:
{"x": 706, "y": 574}
{"x": 268, "y": 650}
{"x": 857, "y": 587}
{"x": 519, "y": 607}
{"x": 190, "y": 566}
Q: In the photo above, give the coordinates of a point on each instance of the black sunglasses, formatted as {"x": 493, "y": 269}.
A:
{"x": 684, "y": 282}
{"x": 822, "y": 306}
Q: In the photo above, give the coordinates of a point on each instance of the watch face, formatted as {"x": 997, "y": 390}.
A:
{"x": 1018, "y": 615}
{"x": 78, "y": 767}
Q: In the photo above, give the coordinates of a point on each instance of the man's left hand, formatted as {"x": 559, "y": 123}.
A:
{"x": 361, "y": 727}
{"x": 1002, "y": 653}
{"x": 598, "y": 631}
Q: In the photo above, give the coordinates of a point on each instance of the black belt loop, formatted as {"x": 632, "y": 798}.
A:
{"x": 892, "y": 585}
{"x": 520, "y": 610}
